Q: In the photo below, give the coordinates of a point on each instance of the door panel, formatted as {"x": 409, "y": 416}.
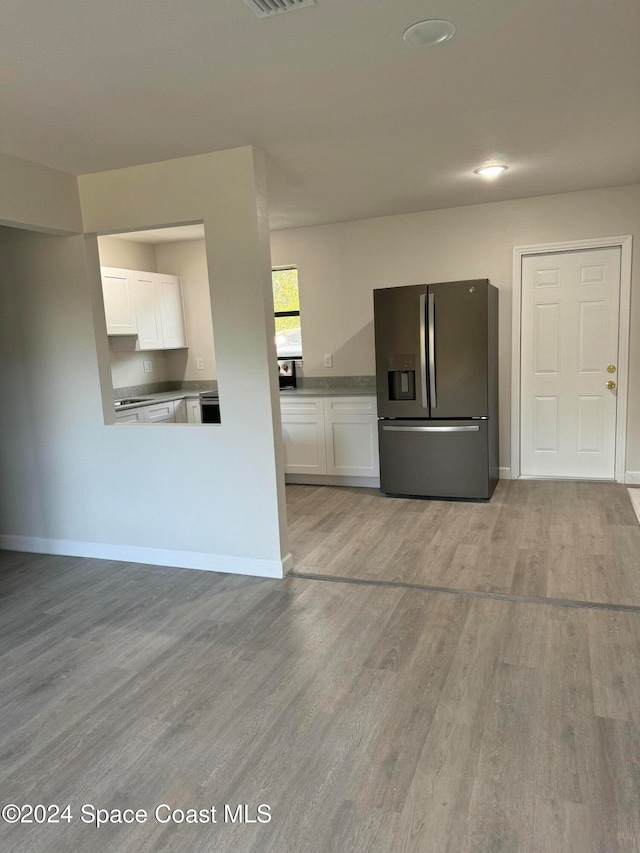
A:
{"x": 448, "y": 459}
{"x": 545, "y": 424}
{"x": 173, "y": 325}
{"x": 461, "y": 342}
{"x": 399, "y": 319}
{"x": 119, "y": 305}
{"x": 148, "y": 312}
{"x": 304, "y": 444}
{"x": 570, "y": 305}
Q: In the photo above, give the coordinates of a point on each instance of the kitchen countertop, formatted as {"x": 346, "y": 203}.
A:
{"x": 330, "y": 391}
{"x": 314, "y": 391}
{"x": 160, "y": 397}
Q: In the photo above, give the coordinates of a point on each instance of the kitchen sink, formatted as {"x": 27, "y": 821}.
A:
{"x": 129, "y": 401}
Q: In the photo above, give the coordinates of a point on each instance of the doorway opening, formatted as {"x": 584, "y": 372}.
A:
{"x": 156, "y": 294}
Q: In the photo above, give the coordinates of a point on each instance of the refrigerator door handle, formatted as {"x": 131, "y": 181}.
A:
{"x": 432, "y": 350}
{"x": 431, "y": 428}
{"x": 423, "y": 351}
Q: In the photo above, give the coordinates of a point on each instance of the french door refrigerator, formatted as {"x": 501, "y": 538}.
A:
{"x": 437, "y": 389}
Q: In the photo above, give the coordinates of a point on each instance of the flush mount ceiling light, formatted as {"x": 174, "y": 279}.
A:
{"x": 491, "y": 171}
{"x": 429, "y": 32}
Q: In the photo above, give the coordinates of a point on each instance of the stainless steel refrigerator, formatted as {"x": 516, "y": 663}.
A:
{"x": 437, "y": 388}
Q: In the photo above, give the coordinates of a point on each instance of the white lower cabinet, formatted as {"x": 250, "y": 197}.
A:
{"x": 180, "y": 411}
{"x": 303, "y": 435}
{"x": 183, "y": 411}
{"x": 351, "y": 436}
{"x": 156, "y": 413}
{"x": 335, "y": 436}
{"x": 194, "y": 412}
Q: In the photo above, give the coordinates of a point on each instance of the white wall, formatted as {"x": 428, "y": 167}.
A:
{"x": 127, "y": 254}
{"x": 127, "y": 364}
{"x": 51, "y": 485}
{"x": 190, "y": 495}
{"x": 189, "y": 260}
{"x": 340, "y": 265}
{"x": 34, "y": 196}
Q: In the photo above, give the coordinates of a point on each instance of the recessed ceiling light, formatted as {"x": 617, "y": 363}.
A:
{"x": 429, "y": 32}
{"x": 490, "y": 171}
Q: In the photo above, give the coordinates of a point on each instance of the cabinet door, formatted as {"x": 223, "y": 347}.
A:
{"x": 131, "y": 416}
{"x": 351, "y": 430}
{"x": 160, "y": 412}
{"x": 148, "y": 313}
{"x": 194, "y": 412}
{"x": 180, "y": 411}
{"x": 119, "y": 305}
{"x": 169, "y": 293}
{"x": 303, "y": 435}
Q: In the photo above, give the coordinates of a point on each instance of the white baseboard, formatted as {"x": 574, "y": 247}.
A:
{"x": 504, "y": 473}
{"x": 150, "y": 556}
{"x": 632, "y": 477}
{"x": 287, "y": 563}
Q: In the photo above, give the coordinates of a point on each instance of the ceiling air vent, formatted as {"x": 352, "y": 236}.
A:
{"x": 267, "y": 8}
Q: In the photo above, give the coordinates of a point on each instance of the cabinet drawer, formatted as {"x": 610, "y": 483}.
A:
{"x": 301, "y": 406}
{"x": 350, "y": 406}
{"x": 160, "y": 412}
{"x": 131, "y": 416}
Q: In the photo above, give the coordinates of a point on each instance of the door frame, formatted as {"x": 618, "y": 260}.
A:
{"x": 624, "y": 243}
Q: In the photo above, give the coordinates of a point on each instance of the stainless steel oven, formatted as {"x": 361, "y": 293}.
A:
{"x": 210, "y": 407}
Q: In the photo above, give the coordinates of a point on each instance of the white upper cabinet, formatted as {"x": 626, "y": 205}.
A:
{"x": 159, "y": 311}
{"x": 147, "y": 304}
{"x": 148, "y": 311}
{"x": 119, "y": 303}
{"x": 172, "y": 311}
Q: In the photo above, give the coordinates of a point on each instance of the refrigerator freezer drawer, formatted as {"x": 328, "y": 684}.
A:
{"x": 435, "y": 459}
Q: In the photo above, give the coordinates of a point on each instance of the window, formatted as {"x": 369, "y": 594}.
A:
{"x": 286, "y": 303}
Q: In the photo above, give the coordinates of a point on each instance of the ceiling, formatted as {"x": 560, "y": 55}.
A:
{"x": 354, "y": 122}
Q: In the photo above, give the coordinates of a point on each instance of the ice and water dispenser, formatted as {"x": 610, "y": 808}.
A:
{"x": 401, "y": 371}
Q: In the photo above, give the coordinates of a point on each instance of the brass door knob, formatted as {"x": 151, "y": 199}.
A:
{"x": 611, "y": 385}
{"x": 611, "y": 368}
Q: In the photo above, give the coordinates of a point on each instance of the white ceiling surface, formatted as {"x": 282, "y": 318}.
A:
{"x": 354, "y": 122}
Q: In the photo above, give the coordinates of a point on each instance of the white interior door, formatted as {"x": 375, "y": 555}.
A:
{"x": 569, "y": 351}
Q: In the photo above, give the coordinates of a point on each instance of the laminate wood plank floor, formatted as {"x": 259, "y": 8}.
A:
{"x": 547, "y": 539}
{"x": 369, "y": 718}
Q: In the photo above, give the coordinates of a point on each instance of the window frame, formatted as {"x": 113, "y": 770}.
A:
{"x": 277, "y": 314}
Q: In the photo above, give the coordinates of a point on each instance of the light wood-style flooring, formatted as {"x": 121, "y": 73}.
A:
{"x": 575, "y": 541}
{"x": 369, "y": 718}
